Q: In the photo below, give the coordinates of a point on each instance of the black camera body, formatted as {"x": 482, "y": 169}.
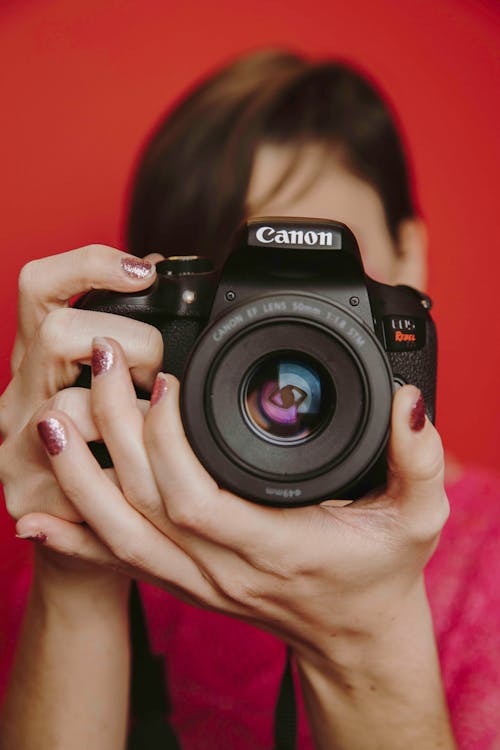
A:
{"x": 288, "y": 359}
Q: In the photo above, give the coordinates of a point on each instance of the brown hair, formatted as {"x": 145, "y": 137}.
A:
{"x": 191, "y": 182}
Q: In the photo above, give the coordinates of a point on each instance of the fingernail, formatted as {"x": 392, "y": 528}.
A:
{"x": 137, "y": 269}
{"x": 159, "y": 389}
{"x": 102, "y": 356}
{"x": 30, "y": 537}
{"x": 53, "y": 435}
{"x": 417, "y": 415}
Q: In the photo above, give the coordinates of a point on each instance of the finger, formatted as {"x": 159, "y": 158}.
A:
{"x": 415, "y": 460}
{"x": 51, "y": 282}
{"x": 193, "y": 501}
{"x": 75, "y": 541}
{"x": 26, "y": 443}
{"x": 128, "y": 535}
{"x": 64, "y": 340}
{"x": 67, "y": 538}
{"x": 25, "y": 471}
{"x": 78, "y": 542}
{"x": 120, "y": 423}
{"x": 415, "y": 453}
{"x": 75, "y": 402}
{"x": 154, "y": 257}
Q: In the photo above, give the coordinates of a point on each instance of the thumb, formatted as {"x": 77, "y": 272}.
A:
{"x": 415, "y": 460}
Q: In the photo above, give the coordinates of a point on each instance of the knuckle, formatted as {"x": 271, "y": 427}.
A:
{"x": 146, "y": 506}
{"x": 27, "y": 281}
{"x": 236, "y": 589}
{"x": 66, "y": 400}
{"x": 131, "y": 552}
{"x": 28, "y": 489}
{"x": 147, "y": 502}
{"x": 297, "y": 568}
{"x": 92, "y": 261}
{"x": 153, "y": 343}
{"x": 189, "y": 514}
{"x": 426, "y": 529}
{"x": 428, "y": 463}
{"x": 14, "y": 503}
{"x": 4, "y": 418}
{"x": 441, "y": 511}
{"x": 11, "y": 505}
{"x": 55, "y": 328}
{"x": 244, "y": 591}
{"x": 6, "y": 462}
{"x": 104, "y": 412}
{"x": 94, "y": 253}
{"x": 277, "y": 561}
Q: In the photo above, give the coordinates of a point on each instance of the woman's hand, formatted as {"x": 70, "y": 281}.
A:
{"x": 72, "y": 655}
{"x": 313, "y": 576}
{"x": 342, "y": 585}
{"x": 52, "y": 342}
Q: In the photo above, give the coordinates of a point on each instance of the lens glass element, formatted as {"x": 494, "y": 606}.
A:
{"x": 287, "y": 397}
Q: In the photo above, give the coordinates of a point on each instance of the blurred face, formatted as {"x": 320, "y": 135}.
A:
{"x": 321, "y": 187}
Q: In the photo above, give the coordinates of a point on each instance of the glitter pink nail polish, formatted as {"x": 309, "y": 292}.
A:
{"x": 137, "y": 269}
{"x": 53, "y": 435}
{"x": 40, "y": 537}
{"x": 102, "y": 356}
{"x": 159, "y": 389}
{"x": 417, "y": 415}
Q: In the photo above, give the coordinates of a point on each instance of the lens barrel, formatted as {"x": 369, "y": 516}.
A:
{"x": 278, "y": 399}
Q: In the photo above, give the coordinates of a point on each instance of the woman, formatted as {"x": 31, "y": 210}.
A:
{"x": 343, "y": 587}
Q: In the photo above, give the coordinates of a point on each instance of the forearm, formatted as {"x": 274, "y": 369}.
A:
{"x": 383, "y": 691}
{"x": 69, "y": 685}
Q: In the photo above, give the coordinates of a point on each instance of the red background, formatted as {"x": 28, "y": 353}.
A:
{"x": 82, "y": 81}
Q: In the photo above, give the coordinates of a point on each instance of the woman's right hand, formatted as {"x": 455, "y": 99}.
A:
{"x": 52, "y": 342}
{"x": 77, "y": 610}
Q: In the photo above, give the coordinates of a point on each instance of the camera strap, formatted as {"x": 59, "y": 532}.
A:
{"x": 150, "y": 704}
{"x": 285, "y": 713}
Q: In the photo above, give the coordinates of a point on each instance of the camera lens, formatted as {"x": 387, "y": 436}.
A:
{"x": 287, "y": 397}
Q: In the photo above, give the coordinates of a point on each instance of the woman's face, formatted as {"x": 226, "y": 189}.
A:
{"x": 321, "y": 187}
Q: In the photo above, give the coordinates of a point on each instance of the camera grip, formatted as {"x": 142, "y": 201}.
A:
{"x": 178, "y": 334}
{"x": 419, "y": 368}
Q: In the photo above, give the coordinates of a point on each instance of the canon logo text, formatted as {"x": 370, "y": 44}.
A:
{"x": 266, "y": 235}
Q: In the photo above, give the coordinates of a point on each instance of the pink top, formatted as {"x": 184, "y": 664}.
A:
{"x": 223, "y": 675}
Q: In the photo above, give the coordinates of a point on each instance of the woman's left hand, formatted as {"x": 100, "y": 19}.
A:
{"x": 308, "y": 575}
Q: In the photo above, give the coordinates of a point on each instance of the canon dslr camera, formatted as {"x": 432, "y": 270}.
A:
{"x": 288, "y": 359}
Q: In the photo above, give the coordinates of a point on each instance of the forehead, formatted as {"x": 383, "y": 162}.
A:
{"x": 318, "y": 186}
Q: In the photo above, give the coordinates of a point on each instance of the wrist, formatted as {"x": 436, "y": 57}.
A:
{"x": 374, "y": 639}
{"x": 379, "y": 686}
{"x": 73, "y": 587}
